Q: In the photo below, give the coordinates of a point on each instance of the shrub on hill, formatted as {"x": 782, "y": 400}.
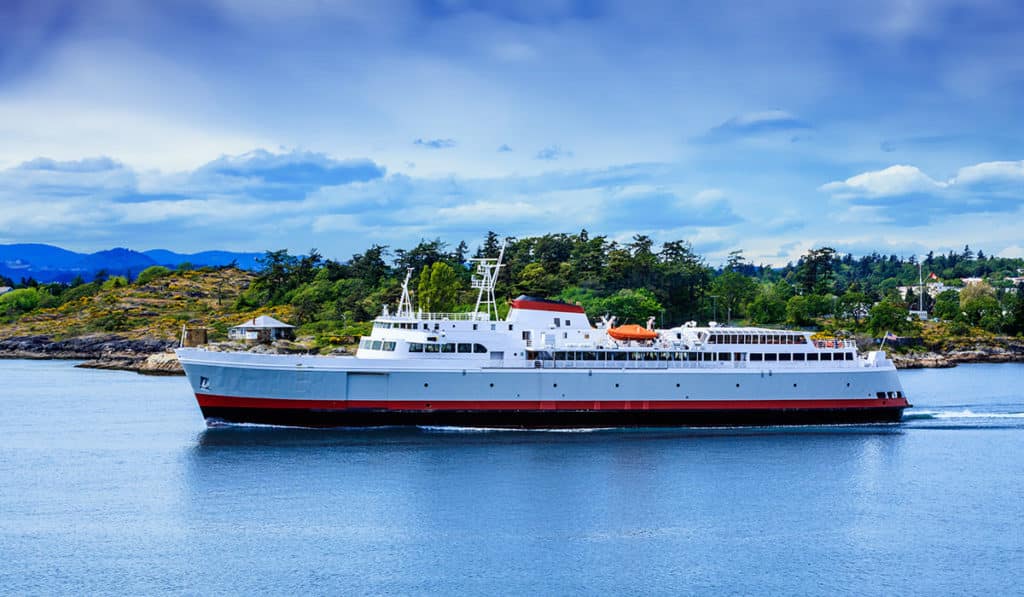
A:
{"x": 151, "y": 273}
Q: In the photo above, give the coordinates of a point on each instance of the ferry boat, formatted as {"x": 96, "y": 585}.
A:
{"x": 546, "y": 366}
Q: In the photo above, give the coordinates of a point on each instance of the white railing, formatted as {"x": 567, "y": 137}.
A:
{"x": 835, "y": 343}
{"x": 767, "y": 366}
{"x": 471, "y": 316}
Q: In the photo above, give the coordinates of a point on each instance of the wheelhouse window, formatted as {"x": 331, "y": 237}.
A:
{"x": 479, "y": 349}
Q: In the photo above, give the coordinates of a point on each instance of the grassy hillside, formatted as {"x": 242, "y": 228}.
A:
{"x": 156, "y": 308}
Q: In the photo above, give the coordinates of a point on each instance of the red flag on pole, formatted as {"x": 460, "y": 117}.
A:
{"x": 932, "y": 276}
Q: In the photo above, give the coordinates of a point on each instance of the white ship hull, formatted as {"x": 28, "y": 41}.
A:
{"x": 347, "y": 391}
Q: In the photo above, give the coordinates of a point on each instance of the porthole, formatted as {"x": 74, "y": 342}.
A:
{"x": 492, "y": 385}
{"x": 428, "y": 405}
{"x": 737, "y": 385}
{"x": 616, "y": 385}
{"x": 677, "y": 385}
{"x": 426, "y": 385}
{"x": 847, "y": 384}
{"x": 794, "y": 385}
{"x": 555, "y": 385}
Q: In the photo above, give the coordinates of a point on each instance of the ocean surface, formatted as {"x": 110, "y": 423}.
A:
{"x": 111, "y": 483}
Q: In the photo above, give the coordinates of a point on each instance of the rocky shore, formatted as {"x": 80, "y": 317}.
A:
{"x": 1009, "y": 352}
{"x": 109, "y": 351}
{"x": 99, "y": 351}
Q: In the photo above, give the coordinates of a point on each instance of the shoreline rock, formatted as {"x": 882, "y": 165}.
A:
{"x": 113, "y": 352}
{"x": 1011, "y": 352}
{"x": 99, "y": 351}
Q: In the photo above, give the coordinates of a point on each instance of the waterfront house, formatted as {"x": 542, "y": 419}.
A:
{"x": 262, "y": 329}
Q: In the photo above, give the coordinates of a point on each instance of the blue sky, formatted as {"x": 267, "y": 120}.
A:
{"x": 250, "y": 125}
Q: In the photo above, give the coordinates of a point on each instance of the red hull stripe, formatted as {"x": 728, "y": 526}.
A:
{"x": 539, "y": 306}
{"x": 209, "y": 400}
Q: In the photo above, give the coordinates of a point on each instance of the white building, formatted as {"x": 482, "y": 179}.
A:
{"x": 262, "y": 329}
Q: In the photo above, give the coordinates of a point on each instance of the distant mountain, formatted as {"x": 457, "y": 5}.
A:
{"x": 245, "y": 261}
{"x": 47, "y": 263}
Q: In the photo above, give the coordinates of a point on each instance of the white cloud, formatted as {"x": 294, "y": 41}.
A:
{"x": 894, "y": 180}
{"x": 991, "y": 171}
{"x": 1012, "y": 251}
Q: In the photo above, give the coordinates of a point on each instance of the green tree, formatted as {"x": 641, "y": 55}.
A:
{"x": 151, "y": 273}
{"x": 888, "y": 316}
{"x": 815, "y": 274}
{"x": 534, "y": 280}
{"x": 439, "y": 288}
{"x": 631, "y": 306}
{"x": 799, "y": 311}
{"x": 735, "y": 290}
{"x": 853, "y": 305}
{"x": 767, "y": 306}
{"x": 984, "y": 311}
{"x": 972, "y": 292}
{"x": 947, "y": 305}
{"x": 115, "y": 282}
{"x": 17, "y": 302}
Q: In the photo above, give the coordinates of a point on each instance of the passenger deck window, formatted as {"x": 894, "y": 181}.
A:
{"x": 479, "y": 349}
{"x": 465, "y": 347}
{"x": 415, "y": 347}
{"x": 448, "y": 348}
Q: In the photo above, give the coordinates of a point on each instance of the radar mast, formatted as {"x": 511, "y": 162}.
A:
{"x": 485, "y": 278}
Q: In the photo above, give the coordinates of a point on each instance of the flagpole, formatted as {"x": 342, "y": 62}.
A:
{"x": 920, "y": 281}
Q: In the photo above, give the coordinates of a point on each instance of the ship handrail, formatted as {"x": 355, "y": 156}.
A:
{"x": 438, "y": 316}
{"x": 724, "y": 365}
{"x": 835, "y": 344}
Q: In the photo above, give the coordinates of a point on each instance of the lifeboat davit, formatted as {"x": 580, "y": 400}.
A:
{"x": 632, "y": 332}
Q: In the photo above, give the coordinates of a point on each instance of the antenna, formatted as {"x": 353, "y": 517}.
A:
{"x": 485, "y": 278}
{"x": 405, "y": 303}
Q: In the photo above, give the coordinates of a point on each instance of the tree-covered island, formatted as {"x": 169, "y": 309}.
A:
{"x": 969, "y": 298}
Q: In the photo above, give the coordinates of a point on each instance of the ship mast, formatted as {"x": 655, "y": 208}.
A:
{"x": 485, "y": 278}
{"x": 405, "y": 303}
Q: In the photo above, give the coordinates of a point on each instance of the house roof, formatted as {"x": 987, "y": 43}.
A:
{"x": 263, "y": 321}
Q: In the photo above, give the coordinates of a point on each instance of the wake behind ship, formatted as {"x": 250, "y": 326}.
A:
{"x": 546, "y": 366}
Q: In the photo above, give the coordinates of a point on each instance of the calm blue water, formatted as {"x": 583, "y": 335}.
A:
{"x": 110, "y": 483}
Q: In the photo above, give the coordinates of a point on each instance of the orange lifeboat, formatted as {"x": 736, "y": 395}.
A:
{"x": 632, "y": 332}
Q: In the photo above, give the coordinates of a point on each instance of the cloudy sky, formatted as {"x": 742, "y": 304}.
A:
{"x": 895, "y": 126}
